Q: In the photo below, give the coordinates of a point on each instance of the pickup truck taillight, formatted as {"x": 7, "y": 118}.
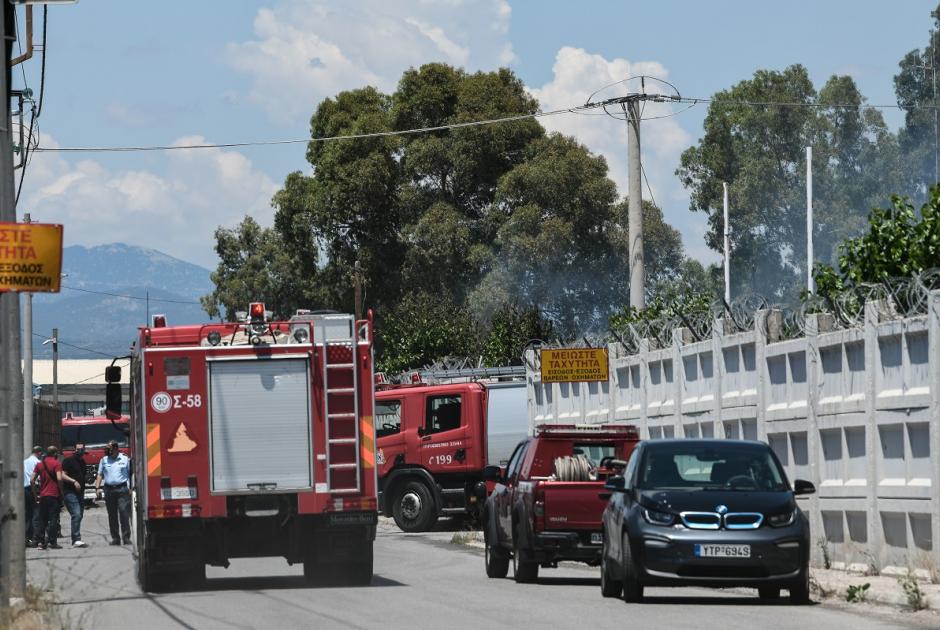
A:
{"x": 538, "y": 507}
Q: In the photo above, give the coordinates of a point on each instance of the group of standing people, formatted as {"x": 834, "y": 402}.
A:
{"x": 49, "y": 483}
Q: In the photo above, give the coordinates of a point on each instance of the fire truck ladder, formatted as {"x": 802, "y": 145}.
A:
{"x": 342, "y": 427}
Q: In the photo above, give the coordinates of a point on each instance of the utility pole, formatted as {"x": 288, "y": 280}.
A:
{"x": 27, "y": 366}
{"x": 810, "y": 283}
{"x": 635, "y": 211}
{"x": 357, "y": 295}
{"x": 727, "y": 235}
{"x": 55, "y": 368}
{"x": 12, "y": 527}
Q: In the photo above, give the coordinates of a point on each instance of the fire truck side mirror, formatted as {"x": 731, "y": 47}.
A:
{"x": 112, "y": 374}
{"x": 114, "y": 400}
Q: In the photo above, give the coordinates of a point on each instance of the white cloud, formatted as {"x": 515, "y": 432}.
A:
{"x": 175, "y": 211}
{"x": 576, "y": 74}
{"x": 307, "y": 50}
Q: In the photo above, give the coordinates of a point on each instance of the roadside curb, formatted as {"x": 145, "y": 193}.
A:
{"x": 883, "y": 589}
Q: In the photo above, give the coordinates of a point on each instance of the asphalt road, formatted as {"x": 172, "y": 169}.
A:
{"x": 421, "y": 581}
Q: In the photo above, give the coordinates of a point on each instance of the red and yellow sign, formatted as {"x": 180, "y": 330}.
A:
{"x": 30, "y": 257}
{"x": 567, "y": 365}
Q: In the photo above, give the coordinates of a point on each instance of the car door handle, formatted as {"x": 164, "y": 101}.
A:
{"x": 425, "y": 438}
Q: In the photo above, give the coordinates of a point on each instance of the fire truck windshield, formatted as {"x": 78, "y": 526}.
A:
{"x": 92, "y": 435}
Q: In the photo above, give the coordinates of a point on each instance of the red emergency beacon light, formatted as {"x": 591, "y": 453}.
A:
{"x": 256, "y": 311}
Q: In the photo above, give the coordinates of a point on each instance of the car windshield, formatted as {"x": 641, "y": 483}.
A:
{"x": 92, "y": 435}
{"x": 718, "y": 466}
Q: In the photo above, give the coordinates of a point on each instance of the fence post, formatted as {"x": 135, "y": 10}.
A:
{"x": 812, "y": 329}
{"x": 680, "y": 336}
{"x": 876, "y": 539}
{"x": 643, "y": 350}
{"x": 933, "y": 331}
{"x": 718, "y": 371}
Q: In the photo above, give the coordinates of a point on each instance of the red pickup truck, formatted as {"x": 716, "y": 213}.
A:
{"x": 547, "y": 504}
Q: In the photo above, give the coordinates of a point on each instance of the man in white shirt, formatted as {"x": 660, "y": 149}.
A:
{"x": 29, "y": 465}
{"x": 114, "y": 471}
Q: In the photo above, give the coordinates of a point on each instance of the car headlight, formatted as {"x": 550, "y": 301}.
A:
{"x": 782, "y": 520}
{"x": 659, "y": 518}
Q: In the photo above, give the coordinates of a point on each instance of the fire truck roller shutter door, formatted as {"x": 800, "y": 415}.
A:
{"x": 260, "y": 425}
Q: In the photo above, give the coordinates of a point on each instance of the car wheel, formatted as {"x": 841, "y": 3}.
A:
{"x": 799, "y": 591}
{"x": 632, "y": 589}
{"x": 497, "y": 561}
{"x": 524, "y": 570}
{"x": 768, "y": 593}
{"x": 414, "y": 509}
{"x": 610, "y": 587}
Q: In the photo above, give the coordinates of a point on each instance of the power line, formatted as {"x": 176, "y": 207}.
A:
{"x": 722, "y": 101}
{"x": 360, "y": 136}
{"x": 131, "y": 297}
{"x": 72, "y": 345}
{"x": 35, "y": 111}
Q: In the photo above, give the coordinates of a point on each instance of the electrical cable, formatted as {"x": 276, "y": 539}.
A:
{"x": 648, "y": 188}
{"x": 360, "y": 136}
{"x": 35, "y": 110}
{"x": 721, "y": 101}
{"x": 132, "y": 297}
{"x": 72, "y": 345}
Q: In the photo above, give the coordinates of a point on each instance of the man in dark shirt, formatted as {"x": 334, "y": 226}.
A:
{"x": 74, "y": 494}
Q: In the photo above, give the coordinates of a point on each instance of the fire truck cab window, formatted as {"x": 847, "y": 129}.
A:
{"x": 387, "y": 417}
{"x": 443, "y": 414}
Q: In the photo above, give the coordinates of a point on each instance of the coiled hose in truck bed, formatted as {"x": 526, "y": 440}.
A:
{"x": 573, "y": 468}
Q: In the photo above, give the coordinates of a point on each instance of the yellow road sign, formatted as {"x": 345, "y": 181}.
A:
{"x": 563, "y": 365}
{"x": 30, "y": 257}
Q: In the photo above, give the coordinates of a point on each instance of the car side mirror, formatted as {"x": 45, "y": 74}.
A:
{"x": 492, "y": 473}
{"x": 801, "y": 486}
{"x": 616, "y": 484}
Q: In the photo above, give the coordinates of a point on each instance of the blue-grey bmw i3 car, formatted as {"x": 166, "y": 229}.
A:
{"x": 705, "y": 513}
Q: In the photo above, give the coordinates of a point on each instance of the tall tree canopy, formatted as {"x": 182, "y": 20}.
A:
{"x": 756, "y": 134}
{"x": 519, "y": 230}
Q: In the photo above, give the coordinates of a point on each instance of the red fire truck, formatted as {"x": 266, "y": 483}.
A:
{"x": 94, "y": 432}
{"x": 249, "y": 439}
{"x": 436, "y": 436}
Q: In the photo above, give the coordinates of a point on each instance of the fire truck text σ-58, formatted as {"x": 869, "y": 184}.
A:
{"x": 163, "y": 402}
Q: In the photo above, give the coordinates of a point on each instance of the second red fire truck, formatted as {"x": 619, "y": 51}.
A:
{"x": 249, "y": 439}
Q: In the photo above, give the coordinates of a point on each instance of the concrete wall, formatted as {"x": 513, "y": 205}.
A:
{"x": 855, "y": 411}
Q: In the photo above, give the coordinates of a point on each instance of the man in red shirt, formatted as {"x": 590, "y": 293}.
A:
{"x": 50, "y": 477}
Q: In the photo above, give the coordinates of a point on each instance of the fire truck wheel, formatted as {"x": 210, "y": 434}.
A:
{"x": 524, "y": 570}
{"x": 359, "y": 571}
{"x": 414, "y": 509}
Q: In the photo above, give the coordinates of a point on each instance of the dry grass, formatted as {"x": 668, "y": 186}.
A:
{"x": 35, "y": 612}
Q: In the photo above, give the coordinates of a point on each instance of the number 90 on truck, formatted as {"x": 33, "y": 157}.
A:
{"x": 252, "y": 438}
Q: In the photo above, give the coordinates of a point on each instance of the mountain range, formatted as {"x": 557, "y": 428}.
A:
{"x": 108, "y": 291}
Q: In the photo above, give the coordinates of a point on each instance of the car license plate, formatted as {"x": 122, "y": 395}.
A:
{"x": 722, "y": 551}
{"x": 597, "y": 538}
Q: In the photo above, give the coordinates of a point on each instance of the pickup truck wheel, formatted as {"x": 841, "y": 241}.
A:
{"x": 414, "y": 509}
{"x": 497, "y": 562}
{"x": 610, "y": 586}
{"x": 632, "y": 589}
{"x": 524, "y": 570}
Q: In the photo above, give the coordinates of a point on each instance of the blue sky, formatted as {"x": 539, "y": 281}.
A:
{"x": 123, "y": 72}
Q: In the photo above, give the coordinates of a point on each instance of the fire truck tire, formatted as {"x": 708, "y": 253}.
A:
{"x": 524, "y": 569}
{"x": 358, "y": 572}
{"x": 414, "y": 509}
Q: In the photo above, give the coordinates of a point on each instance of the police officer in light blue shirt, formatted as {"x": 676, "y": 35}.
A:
{"x": 32, "y": 514}
{"x": 114, "y": 471}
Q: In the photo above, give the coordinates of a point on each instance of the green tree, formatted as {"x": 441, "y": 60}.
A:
{"x": 423, "y": 328}
{"x": 755, "y": 138}
{"x": 915, "y": 88}
{"x": 512, "y": 329}
{"x": 899, "y": 242}
{"x": 255, "y": 265}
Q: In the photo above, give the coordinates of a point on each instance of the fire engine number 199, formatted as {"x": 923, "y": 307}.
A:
{"x": 163, "y": 402}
